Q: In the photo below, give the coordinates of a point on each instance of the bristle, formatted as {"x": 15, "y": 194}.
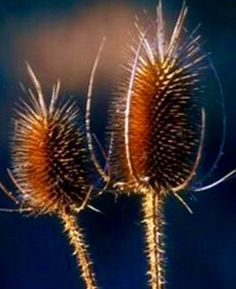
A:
{"x": 50, "y": 157}
{"x": 160, "y": 104}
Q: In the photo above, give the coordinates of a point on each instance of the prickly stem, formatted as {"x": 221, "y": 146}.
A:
{"x": 153, "y": 220}
{"x": 76, "y": 238}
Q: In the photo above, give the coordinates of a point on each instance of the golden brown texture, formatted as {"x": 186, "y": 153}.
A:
{"x": 50, "y": 156}
{"x": 157, "y": 120}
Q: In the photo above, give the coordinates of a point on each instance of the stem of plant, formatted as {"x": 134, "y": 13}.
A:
{"x": 77, "y": 241}
{"x": 153, "y": 220}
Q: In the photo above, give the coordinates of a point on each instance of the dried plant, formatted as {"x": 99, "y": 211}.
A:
{"x": 157, "y": 135}
{"x": 158, "y": 126}
{"x": 54, "y": 166}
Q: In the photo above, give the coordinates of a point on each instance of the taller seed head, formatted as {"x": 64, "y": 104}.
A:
{"x": 158, "y": 123}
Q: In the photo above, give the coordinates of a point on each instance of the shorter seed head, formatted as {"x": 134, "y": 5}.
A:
{"x": 50, "y": 162}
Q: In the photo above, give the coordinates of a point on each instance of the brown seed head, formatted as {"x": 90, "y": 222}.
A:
{"x": 158, "y": 120}
{"x": 50, "y": 156}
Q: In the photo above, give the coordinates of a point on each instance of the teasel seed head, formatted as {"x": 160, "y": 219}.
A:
{"x": 50, "y": 159}
{"x": 157, "y": 119}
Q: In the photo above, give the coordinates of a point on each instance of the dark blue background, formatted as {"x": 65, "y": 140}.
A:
{"x": 201, "y": 248}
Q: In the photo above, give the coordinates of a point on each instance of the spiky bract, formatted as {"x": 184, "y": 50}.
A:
{"x": 50, "y": 157}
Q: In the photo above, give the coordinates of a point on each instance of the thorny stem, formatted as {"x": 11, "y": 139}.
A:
{"x": 153, "y": 220}
{"x": 77, "y": 240}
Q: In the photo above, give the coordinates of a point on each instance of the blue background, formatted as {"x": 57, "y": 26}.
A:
{"x": 201, "y": 248}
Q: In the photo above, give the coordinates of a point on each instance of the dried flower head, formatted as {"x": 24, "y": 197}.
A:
{"x": 50, "y": 156}
{"x": 159, "y": 121}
